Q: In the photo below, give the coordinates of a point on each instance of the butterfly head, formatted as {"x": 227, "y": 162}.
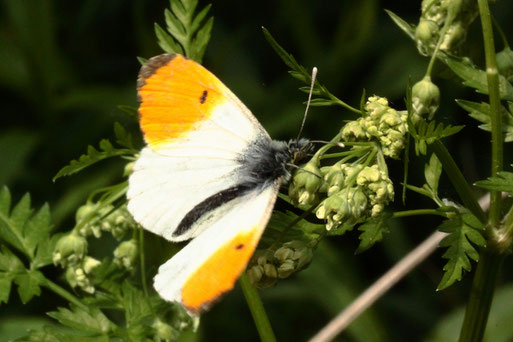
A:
{"x": 299, "y": 149}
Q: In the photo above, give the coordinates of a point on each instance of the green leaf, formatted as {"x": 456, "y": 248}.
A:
{"x": 481, "y": 112}
{"x": 187, "y": 33}
{"x": 464, "y": 230}
{"x": 174, "y": 26}
{"x": 166, "y": 42}
{"x": 137, "y": 308}
{"x": 179, "y": 10}
{"x": 5, "y": 287}
{"x": 318, "y": 102}
{"x": 200, "y": 42}
{"x": 28, "y": 285}
{"x": 21, "y": 229}
{"x": 432, "y": 172}
{"x": 9, "y": 262}
{"x": 403, "y": 25}
{"x": 372, "y": 232}
{"x": 129, "y": 110}
{"x": 12, "y": 226}
{"x": 123, "y": 138}
{"x": 426, "y": 133}
{"x": 476, "y": 78}
{"x": 92, "y": 321}
{"x": 5, "y": 202}
{"x": 300, "y": 73}
{"x": 289, "y": 226}
{"x": 93, "y": 156}
{"x": 10, "y": 267}
{"x": 37, "y": 229}
{"x": 44, "y": 251}
{"x": 199, "y": 18}
{"x": 502, "y": 182}
{"x": 60, "y": 334}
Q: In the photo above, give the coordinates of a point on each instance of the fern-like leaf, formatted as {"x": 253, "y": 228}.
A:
{"x": 502, "y": 182}
{"x": 123, "y": 138}
{"x": 372, "y": 232}
{"x": 464, "y": 230}
{"x": 426, "y": 133}
{"x": 187, "y": 33}
{"x": 300, "y": 73}
{"x": 29, "y": 233}
{"x": 481, "y": 112}
{"x": 476, "y": 78}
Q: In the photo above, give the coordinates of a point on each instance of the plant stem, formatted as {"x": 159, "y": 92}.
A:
{"x": 459, "y": 182}
{"x": 64, "y": 294}
{"x": 417, "y": 212}
{"x": 481, "y": 295}
{"x": 492, "y": 76}
{"x": 257, "y": 310}
{"x": 490, "y": 258}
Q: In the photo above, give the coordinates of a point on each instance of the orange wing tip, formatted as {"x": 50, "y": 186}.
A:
{"x": 150, "y": 67}
{"x": 176, "y": 95}
{"x": 218, "y": 274}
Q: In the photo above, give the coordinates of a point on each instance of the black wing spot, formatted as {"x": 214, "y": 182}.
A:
{"x": 239, "y": 246}
{"x": 203, "y": 96}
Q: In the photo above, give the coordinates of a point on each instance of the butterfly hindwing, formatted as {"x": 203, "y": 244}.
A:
{"x": 211, "y": 263}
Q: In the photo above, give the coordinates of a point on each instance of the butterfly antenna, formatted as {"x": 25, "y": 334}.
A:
{"x": 314, "y": 76}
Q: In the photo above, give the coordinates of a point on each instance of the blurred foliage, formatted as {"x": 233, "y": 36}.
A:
{"x": 66, "y": 66}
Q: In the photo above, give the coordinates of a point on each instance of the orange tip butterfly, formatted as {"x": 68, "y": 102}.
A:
{"x": 209, "y": 172}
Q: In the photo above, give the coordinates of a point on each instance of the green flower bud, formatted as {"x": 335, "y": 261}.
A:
{"x": 286, "y": 269}
{"x": 255, "y": 274}
{"x": 261, "y": 271}
{"x": 334, "y": 209}
{"x": 334, "y": 178}
{"x": 125, "y": 255}
{"x": 89, "y": 264}
{"x": 425, "y": 99}
{"x": 302, "y": 253}
{"x": 505, "y": 63}
{"x": 353, "y": 131}
{"x": 84, "y": 210}
{"x": 164, "y": 331}
{"x": 77, "y": 275}
{"x": 358, "y": 204}
{"x": 70, "y": 249}
{"x": 306, "y": 183}
{"x": 128, "y": 169}
{"x": 426, "y": 31}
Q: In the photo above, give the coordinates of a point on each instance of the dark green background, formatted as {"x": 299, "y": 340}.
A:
{"x": 66, "y": 65}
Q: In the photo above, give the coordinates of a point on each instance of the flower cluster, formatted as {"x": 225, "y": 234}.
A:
{"x": 381, "y": 123}
{"x": 71, "y": 253}
{"x": 106, "y": 218}
{"x": 79, "y": 275}
{"x": 267, "y": 266}
{"x": 457, "y": 14}
{"x": 363, "y": 193}
{"x": 71, "y": 250}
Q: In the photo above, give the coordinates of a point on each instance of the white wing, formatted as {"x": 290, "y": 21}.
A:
{"x": 211, "y": 263}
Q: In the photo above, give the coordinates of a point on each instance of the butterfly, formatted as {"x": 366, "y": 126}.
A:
{"x": 209, "y": 173}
